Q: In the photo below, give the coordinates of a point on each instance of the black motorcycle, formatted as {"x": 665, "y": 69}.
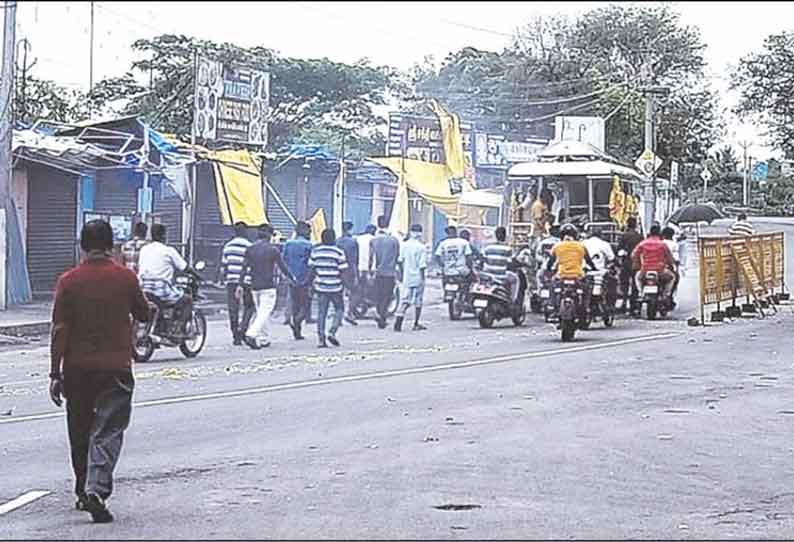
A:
{"x": 366, "y": 301}
{"x": 166, "y": 326}
{"x": 492, "y": 301}
{"x": 602, "y": 297}
{"x": 458, "y": 297}
{"x": 653, "y": 298}
{"x": 573, "y": 313}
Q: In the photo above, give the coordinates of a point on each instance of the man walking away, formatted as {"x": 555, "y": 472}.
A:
{"x": 741, "y": 228}
{"x": 363, "y": 241}
{"x": 329, "y": 271}
{"x": 131, "y": 250}
{"x": 260, "y": 263}
{"x": 91, "y": 363}
{"x": 413, "y": 268}
{"x": 383, "y": 254}
{"x": 350, "y": 247}
{"x": 455, "y": 255}
{"x": 497, "y": 257}
{"x": 476, "y": 255}
{"x": 628, "y": 242}
{"x": 231, "y": 267}
{"x": 296, "y": 255}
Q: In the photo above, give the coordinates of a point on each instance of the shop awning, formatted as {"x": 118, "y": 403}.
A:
{"x": 589, "y": 168}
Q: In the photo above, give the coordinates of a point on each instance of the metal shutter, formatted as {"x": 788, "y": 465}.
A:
{"x": 52, "y": 226}
{"x": 168, "y": 206}
{"x": 117, "y": 192}
{"x": 285, "y": 185}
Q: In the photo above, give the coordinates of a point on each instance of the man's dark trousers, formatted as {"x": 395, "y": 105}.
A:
{"x": 239, "y": 327}
{"x": 98, "y": 409}
{"x": 300, "y": 297}
{"x": 384, "y": 291}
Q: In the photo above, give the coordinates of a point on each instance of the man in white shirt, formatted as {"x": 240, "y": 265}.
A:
{"x": 357, "y": 293}
{"x": 454, "y": 255}
{"x": 157, "y": 264}
{"x": 668, "y": 234}
{"x": 599, "y": 250}
{"x": 413, "y": 268}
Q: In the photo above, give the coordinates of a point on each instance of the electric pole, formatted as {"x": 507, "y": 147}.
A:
{"x": 22, "y": 114}
{"x": 746, "y": 174}
{"x": 91, "y": 60}
{"x": 6, "y": 134}
{"x": 651, "y": 92}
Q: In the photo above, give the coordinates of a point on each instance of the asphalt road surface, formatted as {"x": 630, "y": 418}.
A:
{"x": 647, "y": 430}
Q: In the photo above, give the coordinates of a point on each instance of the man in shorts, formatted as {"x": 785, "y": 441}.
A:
{"x": 413, "y": 268}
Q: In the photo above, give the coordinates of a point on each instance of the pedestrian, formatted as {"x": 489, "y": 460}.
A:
{"x": 131, "y": 250}
{"x": 329, "y": 273}
{"x": 350, "y": 247}
{"x": 741, "y": 228}
{"x": 359, "y": 292}
{"x": 413, "y": 269}
{"x": 296, "y": 255}
{"x": 261, "y": 260}
{"x": 231, "y": 269}
{"x": 628, "y": 242}
{"x": 91, "y": 363}
{"x": 383, "y": 254}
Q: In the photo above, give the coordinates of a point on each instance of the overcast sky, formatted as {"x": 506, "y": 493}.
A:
{"x": 394, "y": 33}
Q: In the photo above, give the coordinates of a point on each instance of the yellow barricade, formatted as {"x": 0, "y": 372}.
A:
{"x": 740, "y": 267}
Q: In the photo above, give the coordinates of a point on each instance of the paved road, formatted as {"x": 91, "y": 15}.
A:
{"x": 648, "y": 430}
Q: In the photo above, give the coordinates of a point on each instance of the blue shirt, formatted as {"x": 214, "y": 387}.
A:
{"x": 296, "y": 256}
{"x": 328, "y": 262}
{"x": 350, "y": 247}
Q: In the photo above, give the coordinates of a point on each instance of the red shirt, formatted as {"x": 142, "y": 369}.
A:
{"x": 653, "y": 254}
{"x": 92, "y": 328}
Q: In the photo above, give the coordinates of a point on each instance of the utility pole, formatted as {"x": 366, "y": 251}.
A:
{"x": 91, "y": 61}
{"x": 22, "y": 114}
{"x": 6, "y": 134}
{"x": 746, "y": 174}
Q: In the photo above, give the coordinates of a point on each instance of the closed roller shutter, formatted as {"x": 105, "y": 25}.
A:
{"x": 52, "y": 226}
{"x": 117, "y": 192}
{"x": 168, "y": 206}
{"x": 285, "y": 185}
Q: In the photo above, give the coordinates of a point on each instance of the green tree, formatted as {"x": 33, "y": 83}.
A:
{"x": 766, "y": 88}
{"x": 306, "y": 94}
{"x": 41, "y": 99}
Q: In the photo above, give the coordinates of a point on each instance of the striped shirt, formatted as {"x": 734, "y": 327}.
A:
{"x": 741, "y": 228}
{"x": 232, "y": 259}
{"x": 328, "y": 262}
{"x": 497, "y": 256}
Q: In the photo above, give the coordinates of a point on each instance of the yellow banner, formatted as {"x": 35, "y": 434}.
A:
{"x": 453, "y": 141}
{"x": 238, "y": 183}
{"x": 430, "y": 181}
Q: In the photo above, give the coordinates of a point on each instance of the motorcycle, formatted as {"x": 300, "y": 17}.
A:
{"x": 457, "y": 296}
{"x": 573, "y": 313}
{"x": 655, "y": 302}
{"x": 544, "y": 299}
{"x": 492, "y": 301}
{"x": 602, "y": 302}
{"x": 165, "y": 327}
{"x": 367, "y": 300}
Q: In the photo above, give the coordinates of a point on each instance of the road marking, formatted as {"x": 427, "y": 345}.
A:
{"x": 369, "y": 376}
{"x": 21, "y": 501}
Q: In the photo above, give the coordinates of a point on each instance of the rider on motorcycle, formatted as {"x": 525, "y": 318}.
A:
{"x": 654, "y": 255}
{"x": 498, "y": 257}
{"x": 668, "y": 235}
{"x": 157, "y": 264}
{"x": 600, "y": 251}
{"x": 455, "y": 257}
{"x": 571, "y": 255}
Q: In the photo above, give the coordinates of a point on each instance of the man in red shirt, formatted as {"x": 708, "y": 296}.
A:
{"x": 91, "y": 362}
{"x": 653, "y": 255}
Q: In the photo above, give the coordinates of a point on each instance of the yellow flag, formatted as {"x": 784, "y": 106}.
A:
{"x": 238, "y": 183}
{"x": 428, "y": 180}
{"x": 617, "y": 202}
{"x": 453, "y": 140}
{"x": 318, "y": 225}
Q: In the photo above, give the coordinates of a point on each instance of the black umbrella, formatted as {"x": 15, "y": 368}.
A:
{"x": 696, "y": 212}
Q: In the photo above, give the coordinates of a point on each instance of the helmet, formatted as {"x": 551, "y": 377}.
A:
{"x": 569, "y": 230}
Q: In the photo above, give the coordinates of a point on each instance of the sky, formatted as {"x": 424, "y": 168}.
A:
{"x": 398, "y": 34}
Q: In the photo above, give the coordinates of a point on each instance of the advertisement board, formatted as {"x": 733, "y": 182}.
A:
{"x": 586, "y": 129}
{"x": 231, "y": 103}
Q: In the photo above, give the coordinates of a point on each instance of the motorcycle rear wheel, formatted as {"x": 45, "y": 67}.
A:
{"x": 192, "y": 348}
{"x": 518, "y": 319}
{"x": 455, "y": 311}
{"x": 486, "y": 318}
{"x": 567, "y": 330}
{"x": 143, "y": 350}
{"x": 651, "y": 309}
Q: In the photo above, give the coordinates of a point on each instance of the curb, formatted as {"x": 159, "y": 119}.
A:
{"x": 42, "y": 327}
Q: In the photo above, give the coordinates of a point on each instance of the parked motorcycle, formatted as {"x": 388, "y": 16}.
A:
{"x": 655, "y": 301}
{"x": 457, "y": 296}
{"x": 573, "y": 313}
{"x": 165, "y": 327}
{"x": 492, "y": 301}
{"x": 367, "y": 300}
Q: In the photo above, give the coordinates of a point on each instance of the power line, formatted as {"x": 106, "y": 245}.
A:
{"x": 621, "y": 104}
{"x": 477, "y": 28}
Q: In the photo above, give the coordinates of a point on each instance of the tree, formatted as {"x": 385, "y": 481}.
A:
{"x": 41, "y": 99}
{"x": 765, "y": 80}
{"x": 306, "y": 94}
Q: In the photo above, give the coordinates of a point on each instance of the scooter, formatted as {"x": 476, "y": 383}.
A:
{"x": 655, "y": 302}
{"x": 457, "y": 296}
{"x": 492, "y": 301}
{"x": 165, "y": 327}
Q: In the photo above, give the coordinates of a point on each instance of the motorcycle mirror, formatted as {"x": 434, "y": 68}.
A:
{"x": 200, "y": 266}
